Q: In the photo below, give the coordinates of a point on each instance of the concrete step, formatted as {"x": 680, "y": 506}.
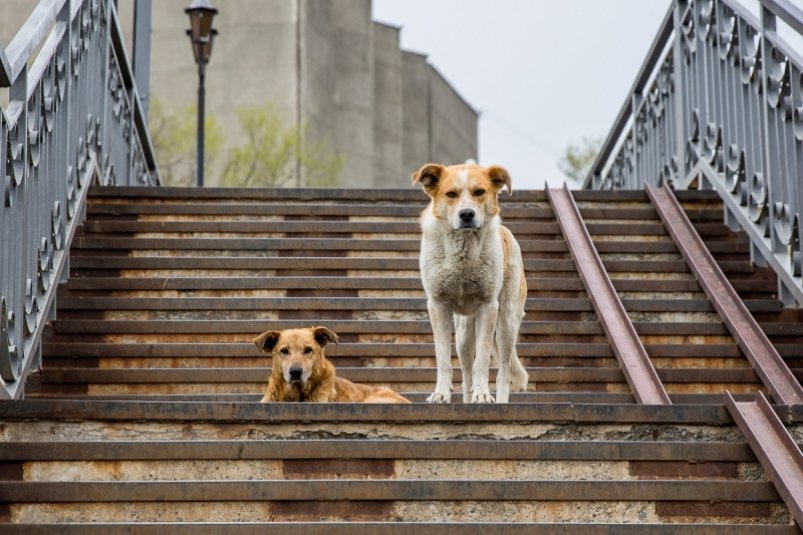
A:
{"x": 404, "y": 528}
{"x": 615, "y": 465}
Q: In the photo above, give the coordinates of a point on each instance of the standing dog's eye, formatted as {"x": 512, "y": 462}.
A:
{"x": 284, "y": 351}
{"x": 451, "y": 194}
{"x": 307, "y": 350}
{"x": 479, "y": 192}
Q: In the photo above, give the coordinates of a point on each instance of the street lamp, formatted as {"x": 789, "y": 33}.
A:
{"x": 202, "y": 36}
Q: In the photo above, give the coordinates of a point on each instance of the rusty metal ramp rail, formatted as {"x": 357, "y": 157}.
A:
{"x": 144, "y": 416}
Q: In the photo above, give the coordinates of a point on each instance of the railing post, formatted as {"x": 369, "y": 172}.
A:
{"x": 677, "y": 63}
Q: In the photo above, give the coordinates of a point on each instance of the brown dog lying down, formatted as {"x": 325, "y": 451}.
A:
{"x": 301, "y": 372}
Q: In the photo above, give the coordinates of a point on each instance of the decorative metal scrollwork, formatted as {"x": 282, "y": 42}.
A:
{"x": 793, "y": 248}
{"x": 707, "y": 20}
{"x": 797, "y": 113}
{"x": 778, "y": 86}
{"x": 7, "y": 185}
{"x": 72, "y": 192}
{"x": 81, "y": 158}
{"x": 44, "y": 267}
{"x": 9, "y": 353}
{"x": 694, "y": 144}
{"x": 750, "y": 52}
{"x": 736, "y": 172}
{"x": 49, "y": 100}
{"x": 728, "y": 35}
{"x": 56, "y": 228}
{"x": 34, "y": 120}
{"x": 61, "y": 69}
{"x": 782, "y": 219}
{"x": 687, "y": 32}
{"x": 16, "y": 154}
{"x": 31, "y": 307}
{"x": 75, "y": 49}
{"x": 669, "y": 172}
{"x": 712, "y": 145}
{"x": 757, "y": 206}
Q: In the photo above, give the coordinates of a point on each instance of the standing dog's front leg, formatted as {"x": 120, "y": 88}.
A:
{"x": 439, "y": 317}
{"x": 466, "y": 342}
{"x": 485, "y": 326}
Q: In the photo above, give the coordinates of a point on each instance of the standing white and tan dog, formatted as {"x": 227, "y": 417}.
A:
{"x": 471, "y": 267}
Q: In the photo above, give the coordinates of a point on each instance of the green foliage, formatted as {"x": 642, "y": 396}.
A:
{"x": 272, "y": 151}
{"x": 578, "y": 159}
{"x": 271, "y": 155}
{"x": 174, "y": 138}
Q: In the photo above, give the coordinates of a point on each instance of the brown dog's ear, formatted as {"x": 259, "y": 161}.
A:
{"x": 323, "y": 336}
{"x": 429, "y": 176}
{"x": 267, "y": 340}
{"x": 500, "y": 178}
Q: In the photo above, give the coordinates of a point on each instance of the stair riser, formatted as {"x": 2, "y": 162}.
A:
{"x": 34, "y": 431}
{"x": 410, "y": 511}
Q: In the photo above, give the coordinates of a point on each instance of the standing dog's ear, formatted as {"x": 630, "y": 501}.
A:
{"x": 500, "y": 178}
{"x": 323, "y": 336}
{"x": 429, "y": 176}
{"x": 267, "y": 340}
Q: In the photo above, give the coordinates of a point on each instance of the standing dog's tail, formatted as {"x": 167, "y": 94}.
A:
{"x": 518, "y": 375}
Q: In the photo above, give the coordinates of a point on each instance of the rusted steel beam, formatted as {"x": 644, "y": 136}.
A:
{"x": 626, "y": 345}
{"x": 66, "y": 409}
{"x": 396, "y": 490}
{"x": 774, "y": 447}
{"x": 477, "y": 449}
{"x": 758, "y": 349}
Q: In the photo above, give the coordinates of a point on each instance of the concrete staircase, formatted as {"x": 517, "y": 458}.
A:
{"x": 144, "y": 418}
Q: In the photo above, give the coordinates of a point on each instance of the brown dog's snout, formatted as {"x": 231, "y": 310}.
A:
{"x": 295, "y": 373}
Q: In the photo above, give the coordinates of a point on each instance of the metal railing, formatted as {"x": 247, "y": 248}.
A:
{"x": 718, "y": 104}
{"x": 73, "y": 118}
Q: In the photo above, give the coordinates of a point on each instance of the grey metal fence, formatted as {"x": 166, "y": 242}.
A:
{"x": 73, "y": 118}
{"x": 718, "y": 104}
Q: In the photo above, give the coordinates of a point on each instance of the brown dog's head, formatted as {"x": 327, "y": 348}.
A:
{"x": 463, "y": 196}
{"x": 296, "y": 352}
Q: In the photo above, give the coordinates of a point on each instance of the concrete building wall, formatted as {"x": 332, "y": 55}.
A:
{"x": 439, "y": 125}
{"x": 416, "y": 150}
{"x": 453, "y": 123}
{"x": 323, "y": 63}
{"x": 388, "y": 105}
{"x": 346, "y": 101}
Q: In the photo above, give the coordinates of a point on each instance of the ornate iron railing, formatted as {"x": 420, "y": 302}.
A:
{"x": 73, "y": 117}
{"x": 718, "y": 103}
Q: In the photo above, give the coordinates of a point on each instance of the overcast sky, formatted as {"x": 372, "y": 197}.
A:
{"x": 543, "y": 74}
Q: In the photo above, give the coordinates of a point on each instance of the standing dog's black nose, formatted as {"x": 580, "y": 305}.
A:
{"x": 295, "y": 374}
{"x": 466, "y": 216}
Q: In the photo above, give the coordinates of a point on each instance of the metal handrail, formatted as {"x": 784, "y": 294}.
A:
{"x": 73, "y": 118}
{"x": 718, "y": 103}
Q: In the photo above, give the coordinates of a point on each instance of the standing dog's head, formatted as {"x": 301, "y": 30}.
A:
{"x": 296, "y": 353}
{"x": 465, "y": 196}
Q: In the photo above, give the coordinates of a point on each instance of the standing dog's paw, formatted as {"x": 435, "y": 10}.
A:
{"x": 439, "y": 397}
{"x": 482, "y": 397}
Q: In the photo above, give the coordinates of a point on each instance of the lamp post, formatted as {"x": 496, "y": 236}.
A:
{"x": 202, "y": 36}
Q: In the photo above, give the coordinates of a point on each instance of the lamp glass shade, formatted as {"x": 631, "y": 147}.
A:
{"x": 201, "y": 33}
